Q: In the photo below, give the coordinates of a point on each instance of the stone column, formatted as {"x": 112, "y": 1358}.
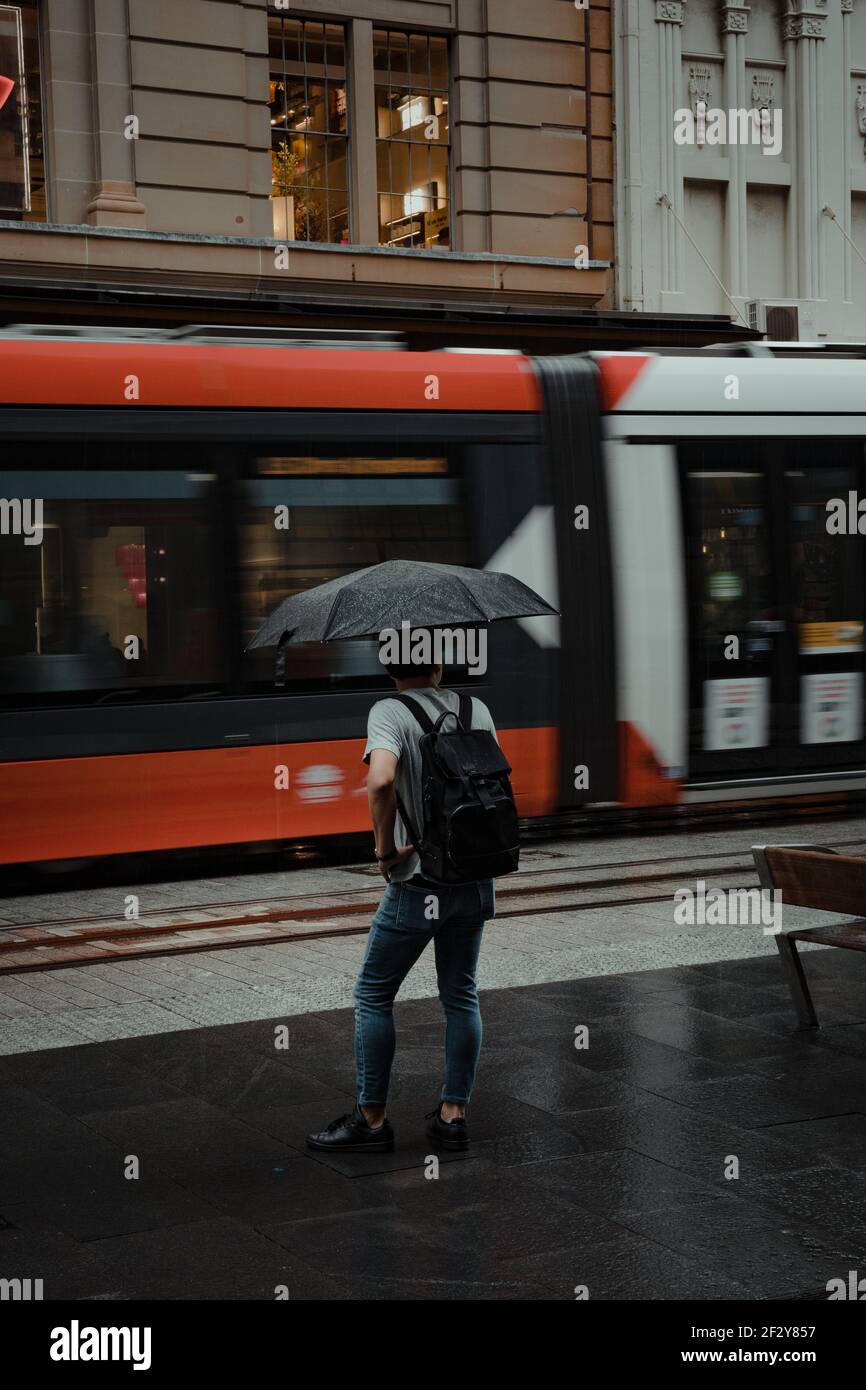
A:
{"x": 735, "y": 24}
{"x": 114, "y": 202}
{"x": 362, "y": 145}
{"x": 805, "y": 27}
{"x": 669, "y": 22}
{"x": 630, "y": 232}
{"x": 844, "y": 213}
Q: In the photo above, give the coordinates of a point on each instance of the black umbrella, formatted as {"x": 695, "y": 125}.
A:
{"x": 414, "y": 592}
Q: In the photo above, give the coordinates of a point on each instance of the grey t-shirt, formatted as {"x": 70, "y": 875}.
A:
{"x": 392, "y": 726}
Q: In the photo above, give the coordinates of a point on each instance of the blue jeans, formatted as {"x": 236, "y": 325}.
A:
{"x": 402, "y": 927}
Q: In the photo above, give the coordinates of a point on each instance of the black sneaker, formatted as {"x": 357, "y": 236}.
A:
{"x": 351, "y": 1134}
{"x": 450, "y": 1134}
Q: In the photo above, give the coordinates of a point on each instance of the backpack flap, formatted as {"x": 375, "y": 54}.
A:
{"x": 470, "y": 754}
{"x": 478, "y": 822}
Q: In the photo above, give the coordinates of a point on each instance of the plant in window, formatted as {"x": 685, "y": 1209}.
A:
{"x": 287, "y": 168}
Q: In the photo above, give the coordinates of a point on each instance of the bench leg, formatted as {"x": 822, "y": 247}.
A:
{"x": 797, "y": 983}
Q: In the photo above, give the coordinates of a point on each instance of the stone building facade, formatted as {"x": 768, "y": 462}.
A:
{"x": 446, "y": 152}
{"x": 725, "y": 224}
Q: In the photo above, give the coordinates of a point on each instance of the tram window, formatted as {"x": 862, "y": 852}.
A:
{"x": 118, "y": 593}
{"x": 826, "y": 570}
{"x": 310, "y": 520}
{"x": 732, "y": 598}
{"x": 730, "y": 561}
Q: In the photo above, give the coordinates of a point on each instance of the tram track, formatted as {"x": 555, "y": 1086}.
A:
{"x": 514, "y": 886}
{"x": 46, "y": 944}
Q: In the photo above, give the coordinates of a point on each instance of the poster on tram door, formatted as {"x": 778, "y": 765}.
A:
{"x": 736, "y": 714}
{"x": 831, "y": 707}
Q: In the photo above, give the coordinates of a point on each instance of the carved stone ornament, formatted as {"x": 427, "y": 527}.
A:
{"x": 763, "y": 91}
{"x": 735, "y": 19}
{"x": 805, "y": 26}
{"x": 860, "y": 107}
{"x": 700, "y": 78}
{"x": 670, "y": 11}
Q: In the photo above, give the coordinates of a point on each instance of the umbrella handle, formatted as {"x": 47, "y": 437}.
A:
{"x": 280, "y": 663}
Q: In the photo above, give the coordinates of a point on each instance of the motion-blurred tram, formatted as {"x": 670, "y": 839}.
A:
{"x": 677, "y": 509}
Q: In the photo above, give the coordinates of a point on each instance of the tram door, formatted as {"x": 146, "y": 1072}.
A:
{"x": 776, "y": 575}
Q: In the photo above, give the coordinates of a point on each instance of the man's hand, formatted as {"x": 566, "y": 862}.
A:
{"x": 387, "y": 866}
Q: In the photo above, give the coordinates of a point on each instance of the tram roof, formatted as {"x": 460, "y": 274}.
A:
{"x": 214, "y": 367}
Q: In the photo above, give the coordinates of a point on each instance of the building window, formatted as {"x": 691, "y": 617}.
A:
{"x": 411, "y": 75}
{"x": 309, "y": 130}
{"x": 22, "y": 165}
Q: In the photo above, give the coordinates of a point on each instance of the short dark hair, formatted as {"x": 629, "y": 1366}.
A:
{"x": 405, "y": 673}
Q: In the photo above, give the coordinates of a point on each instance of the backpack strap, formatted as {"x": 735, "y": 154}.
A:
{"x": 465, "y": 717}
{"x": 414, "y": 838}
{"x": 464, "y": 712}
{"x": 426, "y": 723}
{"x": 418, "y": 710}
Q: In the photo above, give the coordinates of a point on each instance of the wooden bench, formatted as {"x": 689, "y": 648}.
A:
{"x": 824, "y": 880}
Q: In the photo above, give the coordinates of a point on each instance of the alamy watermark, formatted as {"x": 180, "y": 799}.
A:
{"x": 443, "y": 646}
{"x": 846, "y": 516}
{"x": 22, "y": 516}
{"x": 732, "y": 907}
{"x": 711, "y": 125}
{"x": 853, "y": 1288}
{"x": 20, "y": 1290}
{"x": 77, "y": 1343}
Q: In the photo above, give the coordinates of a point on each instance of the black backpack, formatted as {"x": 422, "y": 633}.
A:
{"x": 470, "y": 827}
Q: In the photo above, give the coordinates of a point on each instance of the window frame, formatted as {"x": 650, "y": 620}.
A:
{"x": 39, "y": 20}
{"x": 409, "y": 30}
{"x": 346, "y": 25}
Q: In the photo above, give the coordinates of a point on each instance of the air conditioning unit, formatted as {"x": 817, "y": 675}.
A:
{"x": 784, "y": 320}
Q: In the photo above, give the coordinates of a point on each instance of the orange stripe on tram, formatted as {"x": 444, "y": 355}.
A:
{"x": 136, "y": 375}
{"x": 81, "y": 807}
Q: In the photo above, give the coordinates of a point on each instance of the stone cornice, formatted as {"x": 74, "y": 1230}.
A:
{"x": 806, "y": 19}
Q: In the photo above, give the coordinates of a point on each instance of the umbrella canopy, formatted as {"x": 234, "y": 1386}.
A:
{"x": 422, "y": 594}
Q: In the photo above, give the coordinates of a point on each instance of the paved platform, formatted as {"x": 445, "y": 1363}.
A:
{"x": 607, "y": 1167}
{"x": 572, "y": 923}
{"x": 603, "y": 1167}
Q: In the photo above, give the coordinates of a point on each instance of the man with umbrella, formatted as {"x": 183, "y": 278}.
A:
{"x": 414, "y": 909}
{"x": 404, "y": 926}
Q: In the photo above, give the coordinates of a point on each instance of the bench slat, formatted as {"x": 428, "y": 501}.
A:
{"x": 826, "y": 882}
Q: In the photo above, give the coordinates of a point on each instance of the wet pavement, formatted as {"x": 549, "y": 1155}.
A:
{"x": 579, "y": 908}
{"x": 173, "y": 1165}
{"x": 647, "y": 1122}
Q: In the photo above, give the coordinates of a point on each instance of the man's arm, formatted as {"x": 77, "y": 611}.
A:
{"x": 382, "y": 798}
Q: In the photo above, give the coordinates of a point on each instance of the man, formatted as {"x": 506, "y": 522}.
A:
{"x": 413, "y": 911}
